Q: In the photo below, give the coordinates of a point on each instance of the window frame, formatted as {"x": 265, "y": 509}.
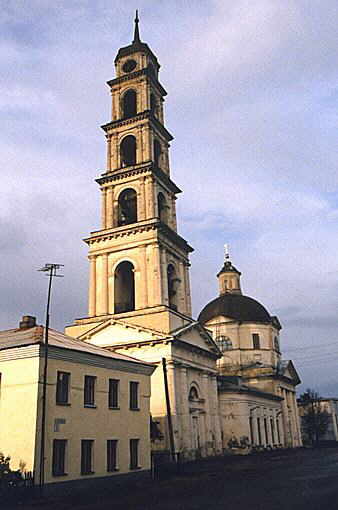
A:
{"x": 85, "y": 443}
{"x": 134, "y": 404}
{"x": 114, "y": 393}
{"x": 60, "y": 389}
{"x": 90, "y": 403}
{"x": 112, "y": 455}
{"x": 59, "y": 457}
{"x": 256, "y": 341}
{"x": 134, "y": 454}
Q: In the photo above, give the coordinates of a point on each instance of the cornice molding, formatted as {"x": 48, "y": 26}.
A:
{"x": 136, "y": 74}
{"x": 145, "y": 115}
{"x": 141, "y": 168}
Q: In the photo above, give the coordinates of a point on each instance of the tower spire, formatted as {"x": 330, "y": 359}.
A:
{"x": 136, "y": 30}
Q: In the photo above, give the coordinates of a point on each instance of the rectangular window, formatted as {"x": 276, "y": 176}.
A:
{"x": 133, "y": 395}
{"x": 62, "y": 387}
{"x": 255, "y": 341}
{"x": 89, "y": 390}
{"x": 113, "y": 395}
{"x": 111, "y": 455}
{"x": 87, "y": 456}
{"x": 59, "y": 456}
{"x": 133, "y": 449}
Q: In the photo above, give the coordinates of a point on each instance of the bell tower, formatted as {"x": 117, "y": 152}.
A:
{"x": 139, "y": 265}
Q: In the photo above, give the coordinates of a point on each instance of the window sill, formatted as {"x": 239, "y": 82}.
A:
{"x": 134, "y": 409}
{"x": 135, "y": 468}
{"x": 64, "y": 404}
{"x": 114, "y": 408}
{"x": 89, "y": 473}
{"x": 90, "y": 406}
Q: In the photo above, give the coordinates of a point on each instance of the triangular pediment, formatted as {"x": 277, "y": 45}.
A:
{"x": 289, "y": 371}
{"x": 116, "y": 332}
{"x": 197, "y": 336}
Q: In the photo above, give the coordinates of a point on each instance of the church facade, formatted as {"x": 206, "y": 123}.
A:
{"x": 139, "y": 290}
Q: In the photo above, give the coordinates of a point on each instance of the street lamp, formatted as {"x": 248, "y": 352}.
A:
{"x": 51, "y": 272}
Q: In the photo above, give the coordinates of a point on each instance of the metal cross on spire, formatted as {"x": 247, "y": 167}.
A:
{"x": 226, "y": 253}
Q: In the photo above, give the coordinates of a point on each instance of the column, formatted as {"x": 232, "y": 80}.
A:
{"x": 270, "y": 440}
{"x": 114, "y": 152}
{"x": 285, "y": 414}
{"x": 186, "y": 429}
{"x": 152, "y": 198}
{"x": 296, "y": 419}
{"x": 143, "y": 202}
{"x": 157, "y": 276}
{"x": 254, "y": 428}
{"x": 173, "y": 399}
{"x": 109, "y": 208}
{"x": 144, "y": 278}
{"x": 208, "y": 432}
{"x": 92, "y": 286}
{"x": 103, "y": 207}
{"x": 187, "y": 289}
{"x": 104, "y": 303}
{"x": 215, "y": 414}
{"x": 164, "y": 277}
{"x": 182, "y": 304}
{"x": 108, "y": 153}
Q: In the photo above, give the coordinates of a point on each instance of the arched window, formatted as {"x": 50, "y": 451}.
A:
{"x": 193, "y": 394}
{"x": 162, "y": 208}
{"x": 127, "y": 207}
{"x": 124, "y": 288}
{"x": 157, "y": 153}
{"x": 153, "y": 104}
{"x": 173, "y": 283}
{"x": 128, "y": 151}
{"x": 129, "y": 104}
{"x": 224, "y": 343}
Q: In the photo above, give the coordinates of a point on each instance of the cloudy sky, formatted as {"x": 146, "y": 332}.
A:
{"x": 252, "y": 103}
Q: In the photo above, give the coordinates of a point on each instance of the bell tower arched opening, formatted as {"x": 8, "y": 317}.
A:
{"x": 153, "y": 104}
{"x": 157, "y": 153}
{"x": 162, "y": 208}
{"x": 127, "y": 207}
{"x": 128, "y": 151}
{"x": 124, "y": 288}
{"x": 129, "y": 104}
{"x": 173, "y": 283}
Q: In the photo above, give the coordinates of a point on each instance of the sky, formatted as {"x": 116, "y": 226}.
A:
{"x": 252, "y": 104}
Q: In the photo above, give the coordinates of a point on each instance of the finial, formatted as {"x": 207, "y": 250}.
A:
{"x": 136, "y": 30}
{"x": 226, "y": 253}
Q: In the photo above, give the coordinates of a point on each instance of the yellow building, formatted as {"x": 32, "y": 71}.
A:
{"x": 97, "y": 406}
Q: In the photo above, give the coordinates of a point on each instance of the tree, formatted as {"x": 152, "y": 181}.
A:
{"x": 315, "y": 419}
{"x": 7, "y": 476}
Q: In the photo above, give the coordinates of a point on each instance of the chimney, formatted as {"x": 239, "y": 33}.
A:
{"x": 28, "y": 321}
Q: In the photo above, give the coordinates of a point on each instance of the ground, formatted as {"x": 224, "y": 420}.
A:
{"x": 302, "y": 479}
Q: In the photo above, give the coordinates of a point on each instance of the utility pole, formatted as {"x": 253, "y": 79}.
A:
{"x": 51, "y": 271}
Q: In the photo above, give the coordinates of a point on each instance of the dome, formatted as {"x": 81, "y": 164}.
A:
{"x": 237, "y": 307}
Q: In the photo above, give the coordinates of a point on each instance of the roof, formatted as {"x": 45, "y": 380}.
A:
{"x": 236, "y": 306}
{"x": 228, "y": 268}
{"x": 23, "y": 337}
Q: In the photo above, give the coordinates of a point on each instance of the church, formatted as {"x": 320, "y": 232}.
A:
{"x": 220, "y": 382}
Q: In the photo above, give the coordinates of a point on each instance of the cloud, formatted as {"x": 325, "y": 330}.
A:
{"x": 253, "y": 105}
